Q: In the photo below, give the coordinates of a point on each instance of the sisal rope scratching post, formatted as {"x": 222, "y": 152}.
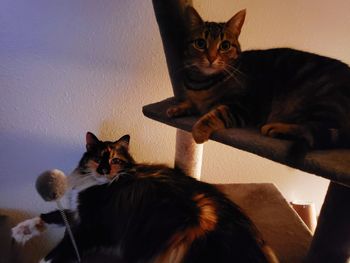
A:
{"x": 188, "y": 154}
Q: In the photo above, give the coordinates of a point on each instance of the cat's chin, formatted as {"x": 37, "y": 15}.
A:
{"x": 209, "y": 70}
{"x": 101, "y": 179}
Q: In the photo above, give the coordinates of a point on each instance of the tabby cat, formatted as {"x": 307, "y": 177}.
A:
{"x": 130, "y": 212}
{"x": 286, "y": 93}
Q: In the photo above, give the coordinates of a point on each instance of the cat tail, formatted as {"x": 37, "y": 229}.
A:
{"x": 269, "y": 254}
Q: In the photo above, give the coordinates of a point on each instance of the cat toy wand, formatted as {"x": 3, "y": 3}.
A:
{"x": 51, "y": 186}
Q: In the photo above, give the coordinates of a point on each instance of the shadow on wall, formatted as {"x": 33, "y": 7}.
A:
{"x": 24, "y": 156}
{"x": 79, "y": 32}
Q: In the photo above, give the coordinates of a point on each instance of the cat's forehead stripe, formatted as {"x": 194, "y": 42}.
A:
{"x": 214, "y": 30}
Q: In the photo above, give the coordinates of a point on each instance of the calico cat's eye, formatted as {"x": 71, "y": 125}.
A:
{"x": 225, "y": 45}
{"x": 200, "y": 43}
{"x": 96, "y": 159}
{"x": 117, "y": 161}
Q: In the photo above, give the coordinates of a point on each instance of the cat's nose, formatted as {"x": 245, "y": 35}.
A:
{"x": 211, "y": 60}
{"x": 211, "y": 56}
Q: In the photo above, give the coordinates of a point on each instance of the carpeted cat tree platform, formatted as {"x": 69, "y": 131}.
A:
{"x": 279, "y": 224}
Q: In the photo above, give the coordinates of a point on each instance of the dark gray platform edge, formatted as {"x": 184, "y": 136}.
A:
{"x": 331, "y": 164}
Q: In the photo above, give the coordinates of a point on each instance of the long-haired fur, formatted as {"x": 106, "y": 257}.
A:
{"x": 154, "y": 214}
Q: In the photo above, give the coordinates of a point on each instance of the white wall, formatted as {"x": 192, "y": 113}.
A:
{"x": 72, "y": 66}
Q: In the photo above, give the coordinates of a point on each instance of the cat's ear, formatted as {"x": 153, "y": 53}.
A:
{"x": 236, "y": 22}
{"x": 91, "y": 141}
{"x": 124, "y": 141}
{"x": 193, "y": 19}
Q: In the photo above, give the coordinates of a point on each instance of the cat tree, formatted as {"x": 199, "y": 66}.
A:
{"x": 284, "y": 231}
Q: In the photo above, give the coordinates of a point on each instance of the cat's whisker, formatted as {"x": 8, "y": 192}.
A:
{"x": 81, "y": 180}
{"x": 117, "y": 176}
{"x": 76, "y": 179}
{"x": 114, "y": 179}
{"x": 234, "y": 69}
{"x": 231, "y": 75}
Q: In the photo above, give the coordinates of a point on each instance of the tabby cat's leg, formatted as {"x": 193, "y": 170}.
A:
{"x": 216, "y": 119}
{"x": 299, "y": 132}
{"x": 314, "y": 134}
{"x": 184, "y": 108}
{"x": 288, "y": 131}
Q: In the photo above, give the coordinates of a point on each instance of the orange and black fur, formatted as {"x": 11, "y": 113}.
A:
{"x": 286, "y": 93}
{"x": 153, "y": 214}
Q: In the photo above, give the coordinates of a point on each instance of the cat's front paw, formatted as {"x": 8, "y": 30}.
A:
{"x": 201, "y": 133}
{"x": 210, "y": 123}
{"x": 175, "y": 111}
{"x": 181, "y": 109}
{"x": 28, "y": 229}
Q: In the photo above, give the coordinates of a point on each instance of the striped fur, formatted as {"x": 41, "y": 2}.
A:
{"x": 286, "y": 93}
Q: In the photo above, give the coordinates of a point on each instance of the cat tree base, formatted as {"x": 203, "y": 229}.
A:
{"x": 280, "y": 226}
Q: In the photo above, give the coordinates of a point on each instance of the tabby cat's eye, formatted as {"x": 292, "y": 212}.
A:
{"x": 117, "y": 161}
{"x": 225, "y": 45}
{"x": 200, "y": 43}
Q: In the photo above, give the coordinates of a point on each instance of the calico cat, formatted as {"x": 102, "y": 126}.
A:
{"x": 286, "y": 93}
{"x": 132, "y": 212}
